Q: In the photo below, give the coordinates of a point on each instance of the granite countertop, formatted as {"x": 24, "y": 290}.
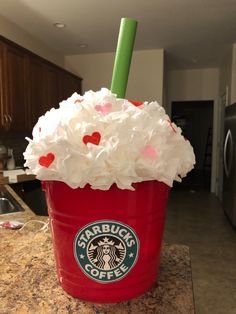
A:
{"x": 28, "y": 282}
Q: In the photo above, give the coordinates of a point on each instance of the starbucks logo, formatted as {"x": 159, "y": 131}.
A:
{"x": 106, "y": 250}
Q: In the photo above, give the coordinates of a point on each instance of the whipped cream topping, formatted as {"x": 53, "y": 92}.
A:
{"x": 100, "y": 140}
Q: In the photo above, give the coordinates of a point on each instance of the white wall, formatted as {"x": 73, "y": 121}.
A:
{"x": 145, "y": 78}
{"x": 196, "y": 84}
{"x": 226, "y": 76}
{"x": 17, "y": 35}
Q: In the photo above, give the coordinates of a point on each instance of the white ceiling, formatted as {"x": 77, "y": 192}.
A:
{"x": 194, "y": 33}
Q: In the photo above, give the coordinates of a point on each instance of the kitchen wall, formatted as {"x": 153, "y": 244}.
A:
{"x": 17, "y": 142}
{"x": 226, "y": 75}
{"x": 145, "y": 79}
{"x": 196, "y": 84}
{"x": 193, "y": 84}
{"x": 16, "y": 34}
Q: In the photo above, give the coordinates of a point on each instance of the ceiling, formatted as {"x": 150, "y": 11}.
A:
{"x": 194, "y": 33}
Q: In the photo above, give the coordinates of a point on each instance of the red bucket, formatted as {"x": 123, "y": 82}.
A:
{"x": 107, "y": 243}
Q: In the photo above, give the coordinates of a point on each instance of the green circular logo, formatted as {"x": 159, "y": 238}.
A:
{"x": 106, "y": 250}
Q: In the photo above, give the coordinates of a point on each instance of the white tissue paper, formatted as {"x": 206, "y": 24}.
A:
{"x": 98, "y": 139}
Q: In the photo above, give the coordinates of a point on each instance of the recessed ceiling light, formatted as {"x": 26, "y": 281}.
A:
{"x": 83, "y": 45}
{"x": 59, "y": 25}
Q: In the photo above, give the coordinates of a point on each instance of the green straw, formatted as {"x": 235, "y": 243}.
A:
{"x": 123, "y": 56}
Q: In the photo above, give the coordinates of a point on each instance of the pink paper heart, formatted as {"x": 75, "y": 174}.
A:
{"x": 149, "y": 152}
{"x": 104, "y": 109}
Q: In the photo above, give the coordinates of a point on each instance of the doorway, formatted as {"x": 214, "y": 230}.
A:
{"x": 195, "y": 118}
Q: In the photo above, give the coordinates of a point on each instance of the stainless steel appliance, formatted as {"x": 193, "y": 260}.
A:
{"x": 229, "y": 161}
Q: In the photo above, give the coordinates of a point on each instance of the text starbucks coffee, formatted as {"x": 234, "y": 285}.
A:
{"x": 103, "y": 229}
{"x": 110, "y": 275}
{"x": 106, "y": 250}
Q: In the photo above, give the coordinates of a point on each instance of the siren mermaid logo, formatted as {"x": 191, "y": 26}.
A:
{"x": 106, "y": 250}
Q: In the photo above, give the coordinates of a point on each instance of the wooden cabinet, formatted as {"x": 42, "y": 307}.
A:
{"x": 48, "y": 86}
{"x": 43, "y": 89}
{"x": 69, "y": 84}
{"x": 15, "y": 87}
{"x": 13, "y": 108}
{"x": 52, "y": 80}
{"x": 36, "y": 90}
{"x": 4, "y": 119}
{"x": 29, "y": 87}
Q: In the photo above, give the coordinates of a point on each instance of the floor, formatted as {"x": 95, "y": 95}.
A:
{"x": 196, "y": 219}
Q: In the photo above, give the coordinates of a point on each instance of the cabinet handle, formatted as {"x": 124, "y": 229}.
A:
{"x": 5, "y": 119}
{"x": 228, "y": 163}
{"x": 10, "y": 119}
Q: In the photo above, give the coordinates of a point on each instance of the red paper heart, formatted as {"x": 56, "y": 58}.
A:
{"x": 94, "y": 138}
{"x": 45, "y": 161}
{"x": 170, "y": 124}
{"x": 78, "y": 101}
{"x": 136, "y": 103}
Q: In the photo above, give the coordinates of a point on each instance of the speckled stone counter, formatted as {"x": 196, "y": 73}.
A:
{"x": 28, "y": 282}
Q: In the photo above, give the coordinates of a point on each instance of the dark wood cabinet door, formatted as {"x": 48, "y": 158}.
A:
{"x": 36, "y": 89}
{"x": 29, "y": 87}
{"x": 43, "y": 89}
{"x": 69, "y": 84}
{"x": 15, "y": 92}
{"x": 51, "y": 88}
{"x": 3, "y": 117}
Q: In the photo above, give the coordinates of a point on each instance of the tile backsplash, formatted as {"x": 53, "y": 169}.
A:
{"x": 17, "y": 142}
